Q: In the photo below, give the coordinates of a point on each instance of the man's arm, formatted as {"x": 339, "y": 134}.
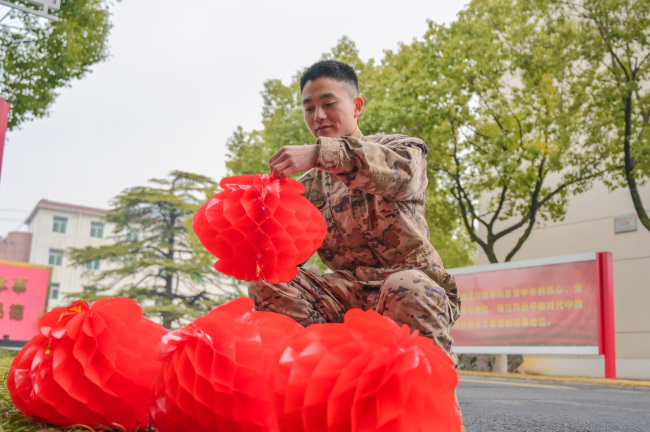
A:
{"x": 395, "y": 169}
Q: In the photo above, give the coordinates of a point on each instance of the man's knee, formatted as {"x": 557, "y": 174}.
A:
{"x": 411, "y": 296}
{"x": 413, "y": 283}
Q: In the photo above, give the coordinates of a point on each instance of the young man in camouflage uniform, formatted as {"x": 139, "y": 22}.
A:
{"x": 371, "y": 191}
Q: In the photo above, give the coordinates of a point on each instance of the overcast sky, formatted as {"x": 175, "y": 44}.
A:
{"x": 182, "y": 75}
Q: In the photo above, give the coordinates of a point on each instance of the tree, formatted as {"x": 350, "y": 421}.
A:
{"x": 393, "y": 94}
{"x": 614, "y": 41}
{"x": 246, "y": 153}
{"x": 500, "y": 92}
{"x": 155, "y": 258}
{"x": 38, "y": 56}
{"x": 283, "y": 124}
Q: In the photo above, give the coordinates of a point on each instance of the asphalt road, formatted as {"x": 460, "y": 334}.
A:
{"x": 494, "y": 405}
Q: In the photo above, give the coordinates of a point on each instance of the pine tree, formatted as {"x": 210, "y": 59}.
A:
{"x": 155, "y": 257}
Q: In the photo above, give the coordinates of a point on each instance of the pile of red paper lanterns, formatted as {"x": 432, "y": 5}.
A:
{"x": 232, "y": 370}
{"x": 260, "y": 227}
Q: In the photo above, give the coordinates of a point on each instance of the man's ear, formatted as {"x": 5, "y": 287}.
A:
{"x": 358, "y": 106}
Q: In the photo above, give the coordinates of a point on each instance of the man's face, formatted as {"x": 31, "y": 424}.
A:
{"x": 331, "y": 107}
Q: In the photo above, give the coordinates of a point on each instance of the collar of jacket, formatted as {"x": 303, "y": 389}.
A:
{"x": 357, "y": 133}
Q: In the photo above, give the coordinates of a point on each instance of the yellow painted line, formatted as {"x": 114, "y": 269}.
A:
{"x": 463, "y": 379}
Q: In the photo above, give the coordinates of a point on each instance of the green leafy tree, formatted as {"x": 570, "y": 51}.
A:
{"x": 38, "y": 56}
{"x": 500, "y": 93}
{"x": 247, "y": 154}
{"x": 155, "y": 257}
{"x": 394, "y": 95}
{"x": 614, "y": 41}
{"x": 283, "y": 124}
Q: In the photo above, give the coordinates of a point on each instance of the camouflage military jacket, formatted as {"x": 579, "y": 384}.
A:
{"x": 371, "y": 192}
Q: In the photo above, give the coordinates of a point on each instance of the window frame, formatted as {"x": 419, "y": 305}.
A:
{"x": 132, "y": 234}
{"x": 59, "y": 224}
{"x": 55, "y": 257}
{"x": 97, "y": 229}
{"x": 55, "y": 289}
{"x": 93, "y": 265}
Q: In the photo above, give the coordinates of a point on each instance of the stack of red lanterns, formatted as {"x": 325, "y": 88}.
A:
{"x": 232, "y": 370}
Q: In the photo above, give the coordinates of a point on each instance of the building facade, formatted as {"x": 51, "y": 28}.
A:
{"x": 55, "y": 227}
{"x": 599, "y": 221}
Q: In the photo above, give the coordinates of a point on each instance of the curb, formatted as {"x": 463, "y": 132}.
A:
{"x": 577, "y": 380}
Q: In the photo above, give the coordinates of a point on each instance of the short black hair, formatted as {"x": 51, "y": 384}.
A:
{"x": 330, "y": 69}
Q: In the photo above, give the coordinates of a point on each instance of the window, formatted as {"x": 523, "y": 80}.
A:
{"x": 54, "y": 290}
{"x": 93, "y": 265}
{"x": 56, "y": 257}
{"x": 96, "y": 229}
{"x": 59, "y": 225}
{"x": 129, "y": 263}
{"x": 132, "y": 234}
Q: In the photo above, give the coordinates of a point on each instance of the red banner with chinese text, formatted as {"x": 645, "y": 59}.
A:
{"x": 545, "y": 305}
{"x": 23, "y": 299}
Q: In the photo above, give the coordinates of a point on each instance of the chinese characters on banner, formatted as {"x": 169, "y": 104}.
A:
{"x": 23, "y": 298}
{"x": 554, "y": 304}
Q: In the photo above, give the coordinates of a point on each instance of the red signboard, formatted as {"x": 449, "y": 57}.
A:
{"x": 545, "y": 305}
{"x": 23, "y": 298}
{"x": 562, "y": 305}
{"x": 4, "y": 119}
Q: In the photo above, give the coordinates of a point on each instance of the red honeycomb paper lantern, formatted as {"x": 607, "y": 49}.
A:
{"x": 260, "y": 227}
{"x": 90, "y": 365}
{"x": 215, "y": 371}
{"x": 366, "y": 374}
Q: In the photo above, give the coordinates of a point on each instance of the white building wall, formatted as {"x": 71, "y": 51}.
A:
{"x": 589, "y": 227}
{"x": 40, "y": 224}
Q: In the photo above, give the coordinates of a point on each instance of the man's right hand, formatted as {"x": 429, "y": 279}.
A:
{"x": 293, "y": 159}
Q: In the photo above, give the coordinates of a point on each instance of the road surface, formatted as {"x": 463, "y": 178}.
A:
{"x": 495, "y": 405}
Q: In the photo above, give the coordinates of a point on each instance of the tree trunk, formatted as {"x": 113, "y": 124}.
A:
{"x": 629, "y": 165}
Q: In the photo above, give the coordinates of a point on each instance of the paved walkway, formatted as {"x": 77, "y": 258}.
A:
{"x": 582, "y": 380}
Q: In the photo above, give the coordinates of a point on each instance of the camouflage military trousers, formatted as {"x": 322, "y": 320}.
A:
{"x": 408, "y": 297}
